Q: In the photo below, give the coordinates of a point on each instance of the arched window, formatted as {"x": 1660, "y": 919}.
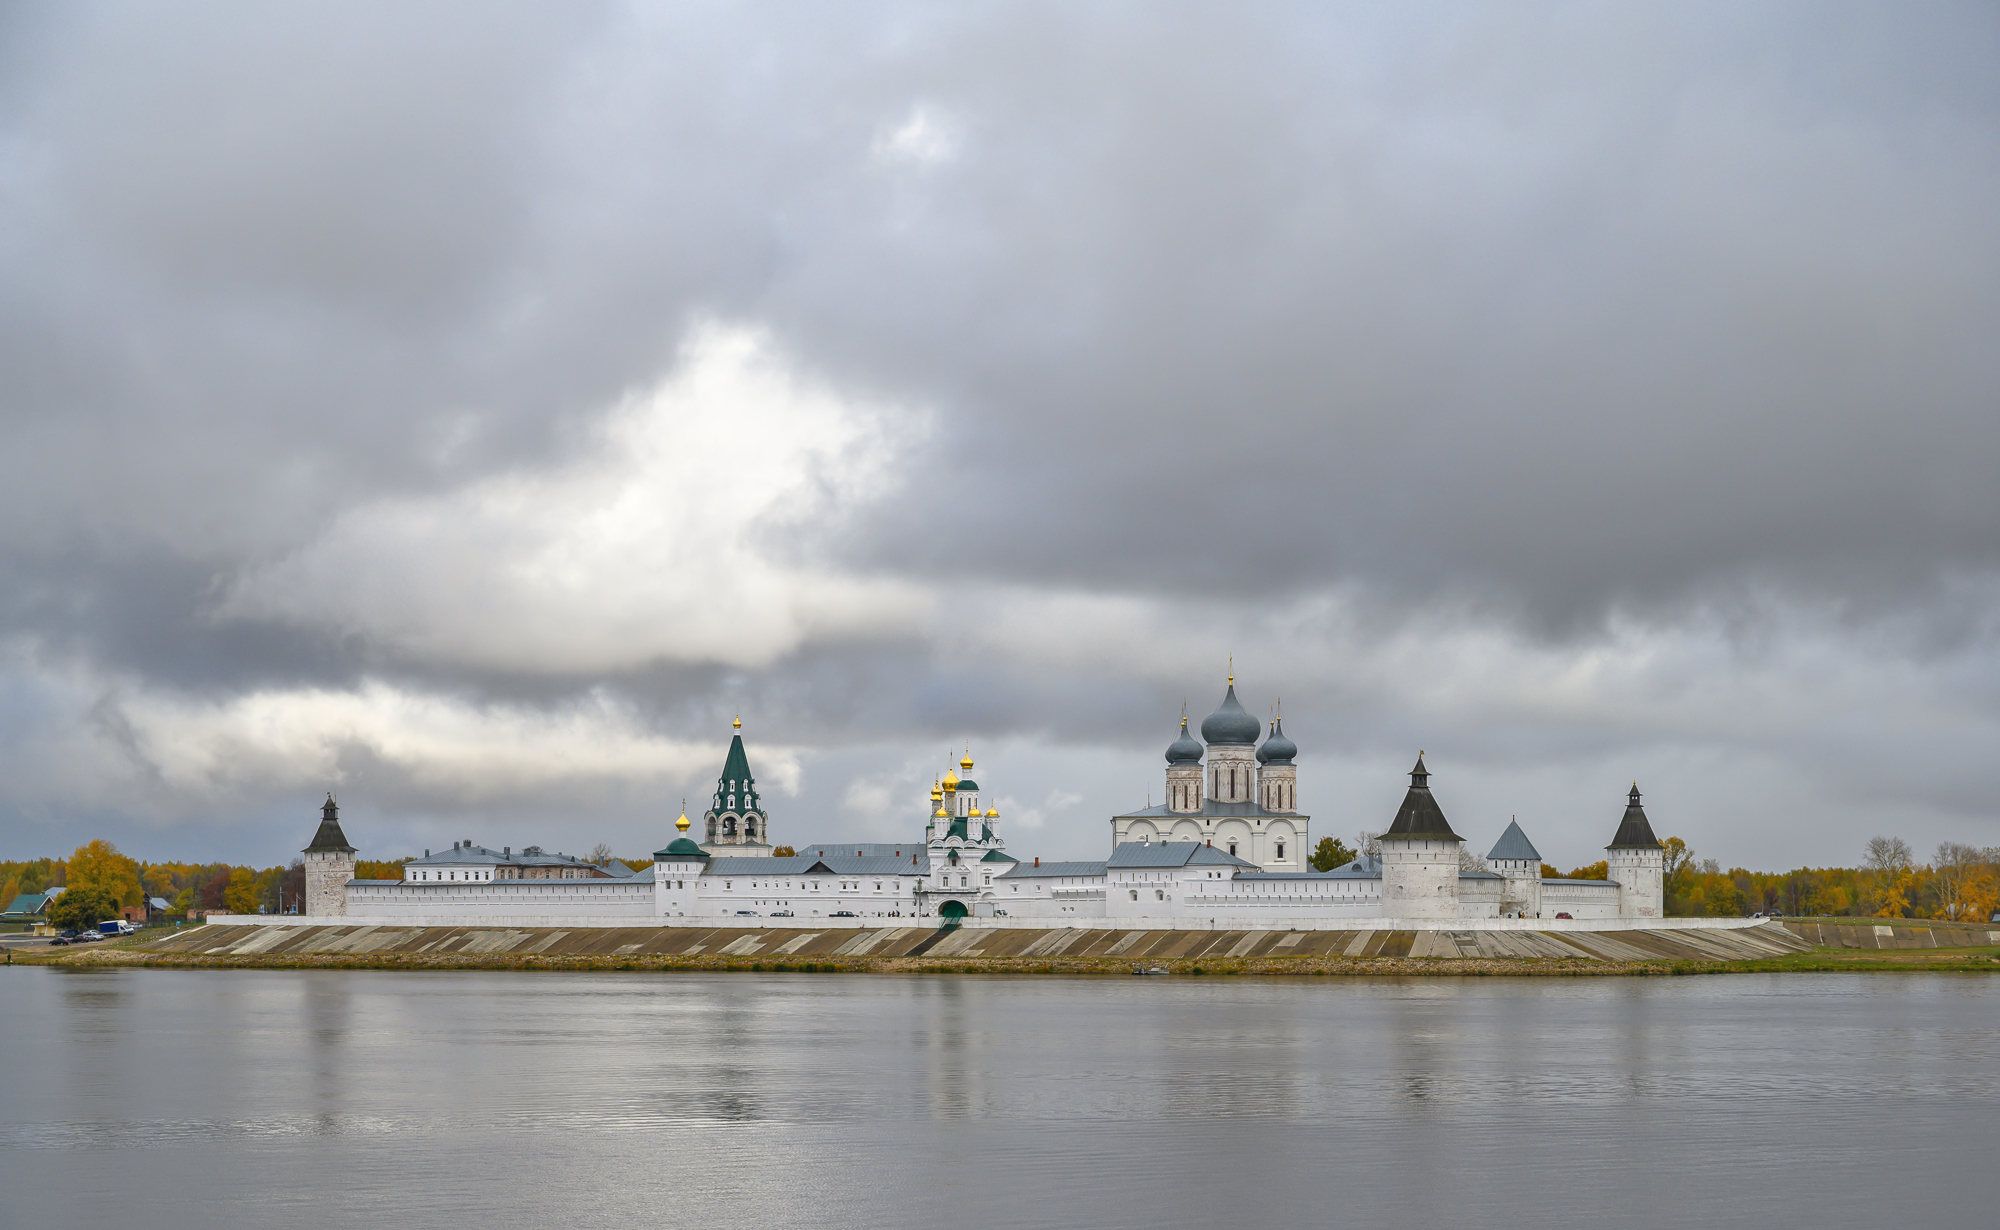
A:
{"x": 1135, "y": 894}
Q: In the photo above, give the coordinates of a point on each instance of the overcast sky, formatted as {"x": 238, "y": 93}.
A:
{"x": 471, "y": 408}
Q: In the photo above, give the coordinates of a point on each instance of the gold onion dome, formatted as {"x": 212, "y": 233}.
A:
{"x": 937, "y": 792}
{"x": 682, "y": 823}
{"x": 942, "y": 814}
{"x": 966, "y": 763}
{"x": 950, "y": 780}
{"x": 992, "y": 814}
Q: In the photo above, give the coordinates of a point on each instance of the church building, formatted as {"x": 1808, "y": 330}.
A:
{"x": 1245, "y": 801}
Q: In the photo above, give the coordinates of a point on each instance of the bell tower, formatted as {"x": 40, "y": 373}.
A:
{"x": 736, "y": 822}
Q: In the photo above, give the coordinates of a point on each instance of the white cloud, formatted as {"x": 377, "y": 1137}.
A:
{"x": 123, "y": 747}
{"x": 926, "y": 136}
{"x": 653, "y": 545}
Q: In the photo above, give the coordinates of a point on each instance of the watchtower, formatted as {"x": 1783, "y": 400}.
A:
{"x": 329, "y": 864}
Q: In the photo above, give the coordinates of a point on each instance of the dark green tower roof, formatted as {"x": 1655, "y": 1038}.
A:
{"x": 735, "y": 781}
{"x": 1421, "y": 816}
{"x": 1634, "y": 830}
{"x": 329, "y": 837}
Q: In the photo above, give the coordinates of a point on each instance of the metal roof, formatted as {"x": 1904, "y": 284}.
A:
{"x": 1420, "y": 815}
{"x": 531, "y": 856}
{"x": 1028, "y": 871}
{"x": 329, "y": 836}
{"x": 804, "y": 864}
{"x": 1515, "y": 844}
{"x": 1366, "y": 867}
{"x": 1172, "y": 854}
{"x": 1634, "y": 830}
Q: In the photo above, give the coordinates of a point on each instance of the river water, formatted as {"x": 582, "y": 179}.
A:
{"x": 352, "y": 1098}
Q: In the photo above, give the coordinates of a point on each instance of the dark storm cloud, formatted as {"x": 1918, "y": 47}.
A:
{"x": 1555, "y": 321}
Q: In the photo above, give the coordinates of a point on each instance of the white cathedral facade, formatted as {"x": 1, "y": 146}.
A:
{"x": 1228, "y": 848}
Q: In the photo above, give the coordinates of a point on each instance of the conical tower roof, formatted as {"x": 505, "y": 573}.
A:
{"x": 329, "y": 837}
{"x": 1420, "y": 815}
{"x": 736, "y": 769}
{"x": 1514, "y": 844}
{"x": 1634, "y": 830}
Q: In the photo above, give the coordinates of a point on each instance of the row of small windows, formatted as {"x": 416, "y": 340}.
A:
{"x": 507, "y": 873}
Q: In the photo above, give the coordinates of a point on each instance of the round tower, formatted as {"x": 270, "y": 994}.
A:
{"x": 1420, "y": 856}
{"x": 1637, "y": 861}
{"x": 329, "y": 865}
{"x": 1231, "y": 734}
{"x": 1184, "y": 772}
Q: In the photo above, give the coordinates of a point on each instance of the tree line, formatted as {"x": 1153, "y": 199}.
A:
{"x": 1960, "y": 883}
{"x": 100, "y": 882}
{"x": 98, "y": 879}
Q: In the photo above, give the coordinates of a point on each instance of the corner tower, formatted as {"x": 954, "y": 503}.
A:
{"x": 1420, "y": 856}
{"x": 735, "y": 821}
{"x": 329, "y": 865}
{"x": 1637, "y": 862}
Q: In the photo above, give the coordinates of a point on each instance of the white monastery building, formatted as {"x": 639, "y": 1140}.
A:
{"x": 1227, "y": 849}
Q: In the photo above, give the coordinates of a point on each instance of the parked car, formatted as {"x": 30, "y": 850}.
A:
{"x": 61, "y": 941}
{"x": 746, "y": 913}
{"x": 781, "y": 913}
{"x": 999, "y": 913}
{"x": 843, "y": 914}
{"x": 1562, "y": 914}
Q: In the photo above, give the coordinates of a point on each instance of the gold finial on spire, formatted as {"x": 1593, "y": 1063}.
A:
{"x": 1232, "y": 670}
{"x": 682, "y": 823}
{"x": 738, "y": 723}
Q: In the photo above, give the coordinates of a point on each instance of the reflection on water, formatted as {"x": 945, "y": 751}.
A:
{"x": 514, "y": 1099}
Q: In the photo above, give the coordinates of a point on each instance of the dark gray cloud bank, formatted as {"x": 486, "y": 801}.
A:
{"x": 470, "y": 408}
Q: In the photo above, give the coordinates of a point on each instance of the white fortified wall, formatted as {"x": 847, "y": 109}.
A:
{"x": 1419, "y": 877}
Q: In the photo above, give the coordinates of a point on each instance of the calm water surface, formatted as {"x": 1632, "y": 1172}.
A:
{"x": 338, "y": 1098}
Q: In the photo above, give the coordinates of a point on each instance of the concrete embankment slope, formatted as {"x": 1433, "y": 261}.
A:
{"x": 872, "y": 947}
{"x": 1870, "y": 935}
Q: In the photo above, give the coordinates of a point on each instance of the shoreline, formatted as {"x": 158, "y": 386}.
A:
{"x": 1855, "y": 947}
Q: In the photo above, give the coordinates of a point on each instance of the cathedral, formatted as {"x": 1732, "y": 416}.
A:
{"x": 1245, "y": 800}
